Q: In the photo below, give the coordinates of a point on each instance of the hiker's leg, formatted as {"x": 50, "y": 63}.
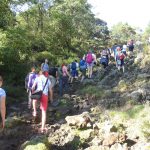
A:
{"x": 29, "y": 100}
{"x": 60, "y": 87}
{"x": 91, "y": 71}
{"x": 123, "y": 68}
{"x": 3, "y": 110}
{"x": 34, "y": 103}
{"x": 65, "y": 81}
{"x": 43, "y": 106}
{"x": 43, "y": 120}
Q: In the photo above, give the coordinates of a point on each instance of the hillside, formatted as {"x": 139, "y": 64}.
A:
{"x": 108, "y": 112}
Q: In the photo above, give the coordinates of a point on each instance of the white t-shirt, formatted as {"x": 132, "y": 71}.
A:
{"x": 40, "y": 83}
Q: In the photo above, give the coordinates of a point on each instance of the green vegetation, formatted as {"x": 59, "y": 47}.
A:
{"x": 96, "y": 92}
{"x": 37, "y": 143}
{"x": 57, "y": 30}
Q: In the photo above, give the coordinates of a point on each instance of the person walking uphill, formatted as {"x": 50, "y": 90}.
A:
{"x": 2, "y": 103}
{"x": 32, "y": 76}
{"x": 89, "y": 61}
{"x": 45, "y": 66}
{"x": 120, "y": 59}
{"x": 43, "y": 84}
{"x": 65, "y": 75}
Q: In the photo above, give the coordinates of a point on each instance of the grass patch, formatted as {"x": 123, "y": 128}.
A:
{"x": 96, "y": 92}
{"x": 131, "y": 113}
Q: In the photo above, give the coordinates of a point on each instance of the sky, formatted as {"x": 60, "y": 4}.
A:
{"x": 135, "y": 12}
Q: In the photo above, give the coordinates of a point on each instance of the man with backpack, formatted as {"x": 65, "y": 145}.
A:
{"x": 104, "y": 58}
{"x": 131, "y": 47}
{"x": 41, "y": 84}
{"x": 52, "y": 77}
{"x": 120, "y": 59}
{"x": 82, "y": 66}
{"x": 29, "y": 82}
{"x": 89, "y": 61}
{"x": 74, "y": 73}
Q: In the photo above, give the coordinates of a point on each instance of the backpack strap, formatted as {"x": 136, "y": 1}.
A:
{"x": 45, "y": 84}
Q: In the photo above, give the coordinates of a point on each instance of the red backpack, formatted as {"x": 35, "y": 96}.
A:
{"x": 121, "y": 56}
{"x": 89, "y": 58}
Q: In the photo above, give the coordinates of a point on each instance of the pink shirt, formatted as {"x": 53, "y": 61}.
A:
{"x": 64, "y": 70}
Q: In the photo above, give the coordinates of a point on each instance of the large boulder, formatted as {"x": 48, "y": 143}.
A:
{"x": 80, "y": 121}
{"x": 113, "y": 138}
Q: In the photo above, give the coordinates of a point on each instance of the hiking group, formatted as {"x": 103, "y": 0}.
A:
{"x": 40, "y": 86}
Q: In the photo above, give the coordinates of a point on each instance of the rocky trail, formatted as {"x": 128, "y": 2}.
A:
{"x": 108, "y": 112}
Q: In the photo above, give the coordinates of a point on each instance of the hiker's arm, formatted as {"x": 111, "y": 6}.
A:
{"x": 42, "y": 66}
{"x": 51, "y": 93}
{"x": 29, "y": 81}
{"x": 34, "y": 84}
{"x": 3, "y": 110}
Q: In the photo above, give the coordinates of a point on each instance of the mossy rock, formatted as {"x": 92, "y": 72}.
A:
{"x": 37, "y": 143}
{"x": 13, "y": 122}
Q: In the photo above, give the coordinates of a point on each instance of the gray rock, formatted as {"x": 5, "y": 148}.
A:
{"x": 143, "y": 76}
{"x": 80, "y": 121}
{"x": 118, "y": 146}
{"x": 97, "y": 148}
{"x": 97, "y": 141}
{"x": 136, "y": 95}
{"x": 141, "y": 146}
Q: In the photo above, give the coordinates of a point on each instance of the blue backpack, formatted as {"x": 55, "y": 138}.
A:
{"x": 104, "y": 60}
{"x": 73, "y": 66}
{"x": 82, "y": 64}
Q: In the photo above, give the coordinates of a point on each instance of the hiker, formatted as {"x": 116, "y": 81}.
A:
{"x": 131, "y": 47}
{"x": 52, "y": 77}
{"x": 2, "y": 103}
{"x": 124, "y": 49}
{"x": 120, "y": 59}
{"x": 74, "y": 72}
{"x": 60, "y": 82}
{"x": 31, "y": 77}
{"x": 77, "y": 65}
{"x": 43, "y": 84}
{"x": 65, "y": 75}
{"x": 114, "y": 49}
{"x": 104, "y": 58}
{"x": 45, "y": 66}
{"x": 89, "y": 61}
{"x": 83, "y": 67}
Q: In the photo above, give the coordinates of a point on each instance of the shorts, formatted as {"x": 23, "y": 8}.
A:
{"x": 83, "y": 71}
{"x": 89, "y": 65}
{"x": 74, "y": 73}
{"x": 53, "y": 81}
{"x": 44, "y": 102}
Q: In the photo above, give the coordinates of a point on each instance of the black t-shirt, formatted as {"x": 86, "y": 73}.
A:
{"x": 52, "y": 71}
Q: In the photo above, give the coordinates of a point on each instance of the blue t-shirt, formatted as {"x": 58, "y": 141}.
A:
{"x": 45, "y": 67}
{"x": 2, "y": 93}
